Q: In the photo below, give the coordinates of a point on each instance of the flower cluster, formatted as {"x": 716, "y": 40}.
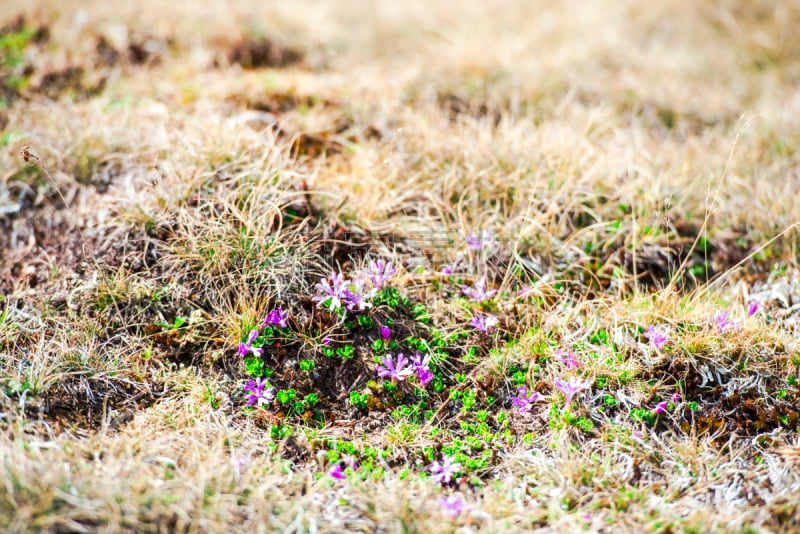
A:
{"x": 355, "y": 293}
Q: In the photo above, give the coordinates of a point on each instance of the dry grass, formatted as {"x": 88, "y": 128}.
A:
{"x": 198, "y": 165}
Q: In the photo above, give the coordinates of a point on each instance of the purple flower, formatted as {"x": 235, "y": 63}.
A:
{"x": 753, "y": 308}
{"x": 257, "y": 393}
{"x": 337, "y": 472}
{"x": 397, "y": 372}
{"x": 246, "y": 347}
{"x": 524, "y": 402}
{"x": 477, "y": 243}
{"x": 478, "y": 292}
{"x": 662, "y": 407}
{"x": 333, "y": 290}
{"x": 587, "y": 516}
{"x": 568, "y": 359}
{"x": 358, "y": 298}
{"x": 452, "y": 505}
{"x": 421, "y": 367}
{"x": 657, "y": 338}
{"x": 723, "y": 323}
{"x": 569, "y": 389}
{"x": 484, "y": 323}
{"x": 448, "y": 269}
{"x": 350, "y": 461}
{"x": 443, "y": 472}
{"x": 676, "y": 397}
{"x": 277, "y": 317}
{"x": 385, "y": 333}
{"x": 327, "y": 341}
{"x": 380, "y": 271}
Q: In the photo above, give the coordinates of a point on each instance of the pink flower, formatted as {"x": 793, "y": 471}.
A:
{"x": 380, "y": 271}
{"x": 448, "y": 269}
{"x": 753, "y": 308}
{"x": 394, "y": 371}
{"x": 421, "y": 366}
{"x": 333, "y": 290}
{"x": 337, "y": 472}
{"x": 676, "y": 397}
{"x": 568, "y": 359}
{"x": 571, "y": 388}
{"x": 477, "y": 243}
{"x": 657, "y": 338}
{"x": 385, "y": 333}
{"x": 484, "y": 323}
{"x": 356, "y": 297}
{"x": 256, "y": 392}
{"x": 452, "y": 505}
{"x": 246, "y": 347}
{"x": 723, "y": 323}
{"x": 479, "y": 293}
{"x": 443, "y": 472}
{"x": 524, "y": 402}
{"x": 661, "y": 407}
{"x": 277, "y": 317}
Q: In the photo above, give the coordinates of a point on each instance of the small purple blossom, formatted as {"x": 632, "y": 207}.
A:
{"x": 358, "y": 298}
{"x": 657, "y": 338}
{"x": 350, "y": 461}
{"x": 568, "y": 358}
{"x": 380, "y": 271}
{"x": 572, "y": 387}
{"x": 676, "y": 397}
{"x": 723, "y": 323}
{"x": 587, "y": 516}
{"x": 478, "y": 292}
{"x": 485, "y": 323}
{"x": 327, "y": 341}
{"x": 398, "y": 371}
{"x": 247, "y": 346}
{"x": 524, "y": 402}
{"x": 277, "y": 317}
{"x": 753, "y": 308}
{"x": 477, "y": 242}
{"x": 333, "y": 290}
{"x": 448, "y": 269}
{"x": 421, "y": 367}
{"x": 385, "y": 332}
{"x": 443, "y": 472}
{"x": 452, "y": 505}
{"x": 662, "y": 407}
{"x": 337, "y": 472}
{"x": 256, "y": 392}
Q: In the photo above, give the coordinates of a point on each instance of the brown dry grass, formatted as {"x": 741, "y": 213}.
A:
{"x": 636, "y": 163}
